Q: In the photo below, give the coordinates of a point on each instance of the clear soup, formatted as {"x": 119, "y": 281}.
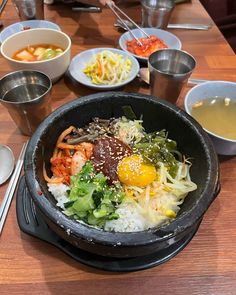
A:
{"x": 217, "y": 114}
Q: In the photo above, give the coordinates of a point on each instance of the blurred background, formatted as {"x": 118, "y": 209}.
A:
{"x": 223, "y": 12}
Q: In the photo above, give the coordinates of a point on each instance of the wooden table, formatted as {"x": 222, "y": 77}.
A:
{"x": 208, "y": 264}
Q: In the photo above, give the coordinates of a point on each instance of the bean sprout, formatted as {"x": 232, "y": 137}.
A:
{"x": 108, "y": 68}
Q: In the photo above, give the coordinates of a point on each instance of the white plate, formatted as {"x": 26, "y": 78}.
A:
{"x": 169, "y": 39}
{"x": 33, "y": 24}
{"x": 81, "y": 60}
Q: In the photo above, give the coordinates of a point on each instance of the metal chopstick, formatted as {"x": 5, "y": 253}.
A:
{"x": 189, "y": 26}
{"x": 11, "y": 188}
{"x": 130, "y": 19}
{"x": 118, "y": 23}
{"x": 112, "y": 5}
{"x": 2, "y": 5}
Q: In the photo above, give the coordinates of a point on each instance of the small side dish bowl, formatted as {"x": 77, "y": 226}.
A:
{"x": 168, "y": 38}
{"x": 214, "y": 89}
{"x": 81, "y": 60}
{"x": 26, "y": 25}
{"x": 54, "y": 67}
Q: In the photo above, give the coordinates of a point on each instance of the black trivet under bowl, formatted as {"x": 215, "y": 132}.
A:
{"x": 31, "y": 222}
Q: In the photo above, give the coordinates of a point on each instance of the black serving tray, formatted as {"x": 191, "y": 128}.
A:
{"x": 31, "y": 222}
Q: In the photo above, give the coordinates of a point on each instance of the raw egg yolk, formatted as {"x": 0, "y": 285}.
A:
{"x": 132, "y": 171}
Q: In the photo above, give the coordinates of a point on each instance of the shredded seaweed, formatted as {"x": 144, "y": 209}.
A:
{"x": 155, "y": 147}
{"x": 129, "y": 113}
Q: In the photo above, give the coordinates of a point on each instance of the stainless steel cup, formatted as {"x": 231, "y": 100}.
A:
{"x": 26, "y": 95}
{"x": 169, "y": 71}
{"x": 156, "y": 13}
{"x": 29, "y": 9}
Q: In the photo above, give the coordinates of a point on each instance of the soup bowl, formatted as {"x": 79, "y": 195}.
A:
{"x": 55, "y": 67}
{"x": 157, "y": 115}
{"x": 214, "y": 89}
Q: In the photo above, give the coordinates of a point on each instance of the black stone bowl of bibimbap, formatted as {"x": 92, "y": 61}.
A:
{"x": 157, "y": 114}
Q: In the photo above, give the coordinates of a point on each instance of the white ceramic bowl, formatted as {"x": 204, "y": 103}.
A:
{"x": 223, "y": 146}
{"x": 20, "y": 26}
{"x": 169, "y": 39}
{"x": 81, "y": 60}
{"x": 55, "y": 67}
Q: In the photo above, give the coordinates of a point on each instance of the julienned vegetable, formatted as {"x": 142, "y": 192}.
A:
{"x": 108, "y": 68}
{"x": 114, "y": 175}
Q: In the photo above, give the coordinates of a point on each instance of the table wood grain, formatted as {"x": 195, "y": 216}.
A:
{"x": 208, "y": 264}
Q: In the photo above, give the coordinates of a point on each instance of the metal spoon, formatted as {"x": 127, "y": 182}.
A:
{"x": 7, "y": 161}
{"x": 144, "y": 75}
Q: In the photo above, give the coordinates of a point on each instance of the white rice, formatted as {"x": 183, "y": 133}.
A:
{"x": 132, "y": 217}
{"x": 129, "y": 219}
{"x": 59, "y": 191}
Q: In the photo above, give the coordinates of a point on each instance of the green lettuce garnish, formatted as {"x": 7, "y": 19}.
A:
{"x": 91, "y": 198}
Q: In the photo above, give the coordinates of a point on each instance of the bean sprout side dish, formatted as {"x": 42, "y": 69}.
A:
{"x": 108, "y": 68}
